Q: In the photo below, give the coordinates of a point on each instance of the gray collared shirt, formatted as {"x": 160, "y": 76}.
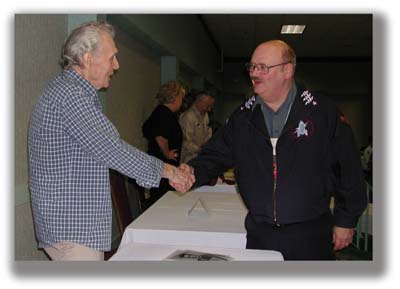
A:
{"x": 275, "y": 120}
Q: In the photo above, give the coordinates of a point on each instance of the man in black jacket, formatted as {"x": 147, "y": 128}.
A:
{"x": 291, "y": 149}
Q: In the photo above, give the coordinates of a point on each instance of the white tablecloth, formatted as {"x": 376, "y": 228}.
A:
{"x": 168, "y": 222}
{"x": 208, "y": 222}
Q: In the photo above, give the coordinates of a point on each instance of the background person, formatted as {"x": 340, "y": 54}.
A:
{"x": 366, "y": 157}
{"x": 195, "y": 125}
{"x": 163, "y": 133}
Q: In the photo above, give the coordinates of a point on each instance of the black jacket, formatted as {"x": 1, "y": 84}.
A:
{"x": 316, "y": 156}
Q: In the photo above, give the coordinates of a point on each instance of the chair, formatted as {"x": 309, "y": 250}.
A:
{"x": 140, "y": 193}
{"x": 121, "y": 201}
{"x": 363, "y": 223}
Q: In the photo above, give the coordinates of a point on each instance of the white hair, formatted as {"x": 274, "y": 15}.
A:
{"x": 82, "y": 39}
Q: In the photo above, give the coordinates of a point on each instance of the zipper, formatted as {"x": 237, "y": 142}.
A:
{"x": 274, "y": 142}
{"x": 275, "y": 176}
{"x": 275, "y": 167}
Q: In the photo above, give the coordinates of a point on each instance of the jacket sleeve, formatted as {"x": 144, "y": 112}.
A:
{"x": 215, "y": 157}
{"x": 350, "y": 192}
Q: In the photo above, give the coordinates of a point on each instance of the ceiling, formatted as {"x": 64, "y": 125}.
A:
{"x": 327, "y": 36}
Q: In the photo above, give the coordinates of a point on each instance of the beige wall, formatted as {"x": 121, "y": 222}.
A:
{"x": 38, "y": 42}
{"x": 131, "y": 97}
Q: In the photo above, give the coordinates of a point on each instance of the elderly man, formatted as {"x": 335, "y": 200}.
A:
{"x": 291, "y": 148}
{"x": 195, "y": 125}
{"x": 72, "y": 145}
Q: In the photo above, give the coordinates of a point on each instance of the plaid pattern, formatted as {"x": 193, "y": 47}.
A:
{"x": 71, "y": 147}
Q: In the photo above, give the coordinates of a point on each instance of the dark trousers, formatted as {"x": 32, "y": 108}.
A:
{"x": 310, "y": 240}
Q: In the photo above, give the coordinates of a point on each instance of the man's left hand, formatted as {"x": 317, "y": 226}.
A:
{"x": 342, "y": 237}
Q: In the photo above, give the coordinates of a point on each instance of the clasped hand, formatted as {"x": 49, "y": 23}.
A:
{"x": 182, "y": 178}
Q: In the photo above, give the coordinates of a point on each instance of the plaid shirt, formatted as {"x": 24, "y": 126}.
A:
{"x": 71, "y": 147}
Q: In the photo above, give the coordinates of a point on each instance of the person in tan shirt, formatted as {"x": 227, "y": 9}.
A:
{"x": 195, "y": 126}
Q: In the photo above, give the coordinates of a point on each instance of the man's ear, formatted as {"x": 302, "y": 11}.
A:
{"x": 86, "y": 60}
{"x": 289, "y": 70}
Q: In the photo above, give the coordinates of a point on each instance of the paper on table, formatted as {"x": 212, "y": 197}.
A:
{"x": 198, "y": 209}
{"x": 190, "y": 255}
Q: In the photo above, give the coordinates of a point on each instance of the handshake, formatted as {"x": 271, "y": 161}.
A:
{"x": 181, "y": 178}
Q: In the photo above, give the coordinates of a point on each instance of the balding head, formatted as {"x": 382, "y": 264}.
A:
{"x": 286, "y": 52}
{"x": 204, "y": 102}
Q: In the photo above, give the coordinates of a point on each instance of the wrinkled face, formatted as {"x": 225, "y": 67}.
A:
{"x": 266, "y": 84}
{"x": 102, "y": 62}
{"x": 205, "y": 104}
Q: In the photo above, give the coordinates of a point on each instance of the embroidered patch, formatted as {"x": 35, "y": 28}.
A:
{"x": 308, "y": 98}
{"x": 304, "y": 129}
{"x": 249, "y": 103}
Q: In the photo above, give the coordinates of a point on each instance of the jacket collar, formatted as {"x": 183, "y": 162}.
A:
{"x": 297, "y": 111}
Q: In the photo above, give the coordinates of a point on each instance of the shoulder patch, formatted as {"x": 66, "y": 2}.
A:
{"x": 343, "y": 119}
{"x": 308, "y": 98}
{"x": 249, "y": 103}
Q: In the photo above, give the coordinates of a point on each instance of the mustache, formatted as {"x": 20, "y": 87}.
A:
{"x": 255, "y": 78}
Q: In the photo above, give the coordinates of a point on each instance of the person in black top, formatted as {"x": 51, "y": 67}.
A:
{"x": 290, "y": 148}
{"x": 163, "y": 132}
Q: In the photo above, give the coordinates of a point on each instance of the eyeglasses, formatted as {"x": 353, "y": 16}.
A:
{"x": 263, "y": 68}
